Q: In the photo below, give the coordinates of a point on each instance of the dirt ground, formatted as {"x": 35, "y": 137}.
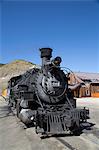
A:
{"x": 13, "y": 136}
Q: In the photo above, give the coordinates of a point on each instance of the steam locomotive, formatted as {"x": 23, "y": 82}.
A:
{"x": 42, "y": 97}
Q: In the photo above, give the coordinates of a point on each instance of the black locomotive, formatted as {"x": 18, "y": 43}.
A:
{"x": 42, "y": 97}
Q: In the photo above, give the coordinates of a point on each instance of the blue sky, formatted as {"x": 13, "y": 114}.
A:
{"x": 70, "y": 28}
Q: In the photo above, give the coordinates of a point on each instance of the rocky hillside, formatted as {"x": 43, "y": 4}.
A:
{"x": 14, "y": 68}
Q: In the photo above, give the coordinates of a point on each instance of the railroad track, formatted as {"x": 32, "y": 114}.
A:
{"x": 91, "y": 137}
{"x": 69, "y": 146}
{"x": 94, "y": 139}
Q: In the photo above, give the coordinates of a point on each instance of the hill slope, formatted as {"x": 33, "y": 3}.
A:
{"x": 14, "y": 68}
{"x": 1, "y": 64}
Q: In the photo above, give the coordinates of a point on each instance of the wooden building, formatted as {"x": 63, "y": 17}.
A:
{"x": 89, "y": 84}
{"x": 94, "y": 87}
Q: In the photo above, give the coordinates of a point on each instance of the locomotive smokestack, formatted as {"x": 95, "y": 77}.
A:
{"x": 46, "y": 54}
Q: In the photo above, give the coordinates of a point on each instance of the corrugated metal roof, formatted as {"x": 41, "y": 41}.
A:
{"x": 94, "y": 77}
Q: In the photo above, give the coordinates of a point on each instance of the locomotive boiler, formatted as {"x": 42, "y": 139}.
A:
{"x": 42, "y": 97}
